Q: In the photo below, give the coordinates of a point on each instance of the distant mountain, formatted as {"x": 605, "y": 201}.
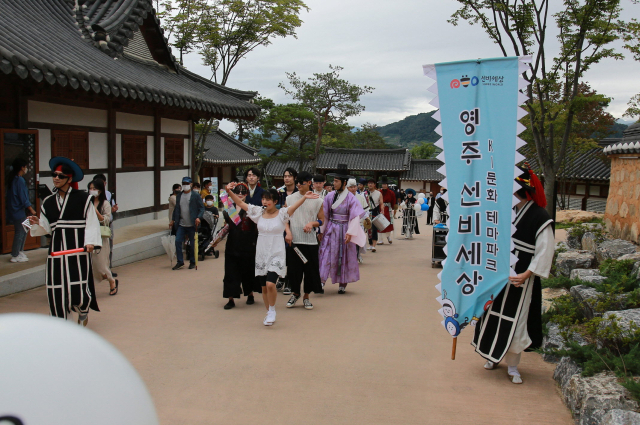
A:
{"x": 415, "y": 129}
{"x": 411, "y": 131}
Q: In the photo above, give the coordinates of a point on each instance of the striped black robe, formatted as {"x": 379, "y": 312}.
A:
{"x": 495, "y": 331}
{"x": 72, "y": 223}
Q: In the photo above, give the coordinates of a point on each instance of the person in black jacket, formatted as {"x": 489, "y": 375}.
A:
{"x": 252, "y": 177}
{"x": 239, "y": 255}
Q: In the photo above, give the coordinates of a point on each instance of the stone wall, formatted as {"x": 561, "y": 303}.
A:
{"x": 622, "y": 216}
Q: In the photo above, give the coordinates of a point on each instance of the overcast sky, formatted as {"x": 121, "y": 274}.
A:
{"x": 384, "y": 44}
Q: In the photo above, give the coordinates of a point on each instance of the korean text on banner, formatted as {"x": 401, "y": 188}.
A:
{"x": 478, "y": 101}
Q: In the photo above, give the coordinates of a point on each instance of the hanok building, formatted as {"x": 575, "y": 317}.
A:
{"x": 360, "y": 162}
{"x": 423, "y": 175}
{"x": 583, "y": 178}
{"x": 223, "y": 154}
{"x": 95, "y": 80}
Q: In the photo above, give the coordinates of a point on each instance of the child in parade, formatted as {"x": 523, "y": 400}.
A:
{"x": 270, "y": 260}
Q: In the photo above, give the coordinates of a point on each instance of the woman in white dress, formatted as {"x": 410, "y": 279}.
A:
{"x": 271, "y": 256}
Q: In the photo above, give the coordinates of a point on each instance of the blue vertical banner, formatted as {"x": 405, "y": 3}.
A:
{"x": 479, "y": 115}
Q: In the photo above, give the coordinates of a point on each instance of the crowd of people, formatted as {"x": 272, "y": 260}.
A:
{"x": 294, "y": 239}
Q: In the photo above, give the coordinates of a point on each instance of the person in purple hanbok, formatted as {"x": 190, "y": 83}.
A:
{"x": 338, "y": 255}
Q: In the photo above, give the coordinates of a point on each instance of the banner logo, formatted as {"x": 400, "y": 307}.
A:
{"x": 455, "y": 84}
{"x": 464, "y": 81}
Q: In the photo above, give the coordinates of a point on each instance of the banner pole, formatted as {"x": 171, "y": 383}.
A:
{"x": 453, "y": 349}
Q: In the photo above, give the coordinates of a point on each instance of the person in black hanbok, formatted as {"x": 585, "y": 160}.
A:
{"x": 71, "y": 219}
{"x": 409, "y": 215}
{"x": 239, "y": 255}
{"x": 512, "y": 323}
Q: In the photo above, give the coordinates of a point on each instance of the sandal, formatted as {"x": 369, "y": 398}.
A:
{"x": 114, "y": 289}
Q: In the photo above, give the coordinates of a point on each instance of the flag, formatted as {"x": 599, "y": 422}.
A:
{"x": 229, "y": 207}
{"x": 479, "y": 124}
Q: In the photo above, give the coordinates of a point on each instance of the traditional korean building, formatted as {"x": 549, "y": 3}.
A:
{"x": 360, "y": 162}
{"x": 95, "y": 80}
{"x": 423, "y": 175}
{"x": 622, "y": 216}
{"x": 223, "y": 154}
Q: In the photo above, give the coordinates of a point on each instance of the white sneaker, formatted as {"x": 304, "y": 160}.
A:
{"x": 516, "y": 379}
{"x": 271, "y": 317}
{"x": 22, "y": 254}
{"x": 489, "y": 365}
{"x": 19, "y": 259}
{"x": 369, "y": 248}
{"x": 266, "y": 320}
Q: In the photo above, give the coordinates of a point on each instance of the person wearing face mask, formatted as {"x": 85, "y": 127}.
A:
{"x": 196, "y": 188}
{"x": 17, "y": 204}
{"x": 206, "y": 189}
{"x": 100, "y": 260}
{"x": 209, "y": 205}
{"x": 186, "y": 217}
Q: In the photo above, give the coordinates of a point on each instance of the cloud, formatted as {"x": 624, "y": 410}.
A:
{"x": 384, "y": 45}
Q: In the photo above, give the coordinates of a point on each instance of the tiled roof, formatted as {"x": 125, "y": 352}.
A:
{"x": 276, "y": 168}
{"x": 222, "y": 149}
{"x": 587, "y": 165}
{"x": 424, "y": 170}
{"x": 52, "y": 40}
{"x": 365, "y": 159}
{"x": 630, "y": 142}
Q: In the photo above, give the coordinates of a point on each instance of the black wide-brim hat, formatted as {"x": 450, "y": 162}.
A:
{"x": 78, "y": 174}
{"x": 341, "y": 173}
{"x": 384, "y": 180}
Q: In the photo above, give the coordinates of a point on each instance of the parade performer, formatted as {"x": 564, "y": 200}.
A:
{"x": 513, "y": 322}
{"x": 338, "y": 255}
{"x": 270, "y": 251}
{"x": 353, "y": 188}
{"x": 71, "y": 219}
{"x": 308, "y": 217}
{"x": 318, "y": 186}
{"x": 374, "y": 198}
{"x": 409, "y": 217}
{"x": 239, "y": 254}
{"x": 440, "y": 214}
{"x": 387, "y": 208}
{"x": 252, "y": 178}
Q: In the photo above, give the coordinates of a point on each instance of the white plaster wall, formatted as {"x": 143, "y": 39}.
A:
{"x": 162, "y": 151}
{"x": 98, "y": 150}
{"x": 417, "y": 186}
{"x": 167, "y": 180}
{"x": 135, "y": 190}
{"x": 150, "y": 149}
{"x": 126, "y": 121}
{"x": 44, "y": 149}
{"x": 118, "y": 150}
{"x": 47, "y": 180}
{"x": 63, "y": 114}
{"x": 174, "y": 126}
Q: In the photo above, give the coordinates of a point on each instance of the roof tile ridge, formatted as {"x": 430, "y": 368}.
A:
{"x": 228, "y": 90}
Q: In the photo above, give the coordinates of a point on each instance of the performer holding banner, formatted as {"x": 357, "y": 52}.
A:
{"x": 479, "y": 114}
{"x": 69, "y": 216}
{"x": 513, "y": 321}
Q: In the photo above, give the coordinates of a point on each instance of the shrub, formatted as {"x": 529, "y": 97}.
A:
{"x": 560, "y": 282}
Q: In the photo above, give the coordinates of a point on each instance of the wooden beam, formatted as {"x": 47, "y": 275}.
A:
{"x": 193, "y": 150}
{"x": 111, "y": 148}
{"x": 157, "y": 146}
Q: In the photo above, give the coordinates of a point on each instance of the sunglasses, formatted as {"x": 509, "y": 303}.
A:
{"x": 241, "y": 192}
{"x": 59, "y": 176}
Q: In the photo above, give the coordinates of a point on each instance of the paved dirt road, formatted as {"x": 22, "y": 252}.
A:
{"x": 376, "y": 355}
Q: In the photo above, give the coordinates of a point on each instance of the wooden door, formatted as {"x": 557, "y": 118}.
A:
{"x": 14, "y": 144}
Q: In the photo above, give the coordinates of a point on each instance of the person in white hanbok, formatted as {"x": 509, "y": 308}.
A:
{"x": 271, "y": 256}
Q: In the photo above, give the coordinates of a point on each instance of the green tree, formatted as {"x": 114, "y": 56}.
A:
{"x": 633, "y": 44}
{"x": 330, "y": 98}
{"x": 181, "y": 19}
{"x": 585, "y": 30}
{"x": 424, "y": 151}
{"x": 230, "y": 29}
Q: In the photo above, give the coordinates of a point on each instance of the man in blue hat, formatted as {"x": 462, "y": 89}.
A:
{"x": 70, "y": 217}
{"x": 186, "y": 216}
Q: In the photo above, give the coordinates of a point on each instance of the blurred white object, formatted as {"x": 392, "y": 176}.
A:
{"x": 421, "y": 195}
{"x": 54, "y": 372}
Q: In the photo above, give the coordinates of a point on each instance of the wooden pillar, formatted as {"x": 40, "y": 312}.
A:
{"x": 193, "y": 150}
{"x": 111, "y": 149}
{"x": 157, "y": 159}
{"x": 587, "y": 187}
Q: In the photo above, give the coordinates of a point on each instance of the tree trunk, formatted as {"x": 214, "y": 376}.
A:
{"x": 240, "y": 131}
{"x": 549, "y": 184}
{"x": 314, "y": 163}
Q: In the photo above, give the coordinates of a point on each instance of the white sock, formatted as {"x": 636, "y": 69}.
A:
{"x": 272, "y": 308}
{"x": 513, "y": 370}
